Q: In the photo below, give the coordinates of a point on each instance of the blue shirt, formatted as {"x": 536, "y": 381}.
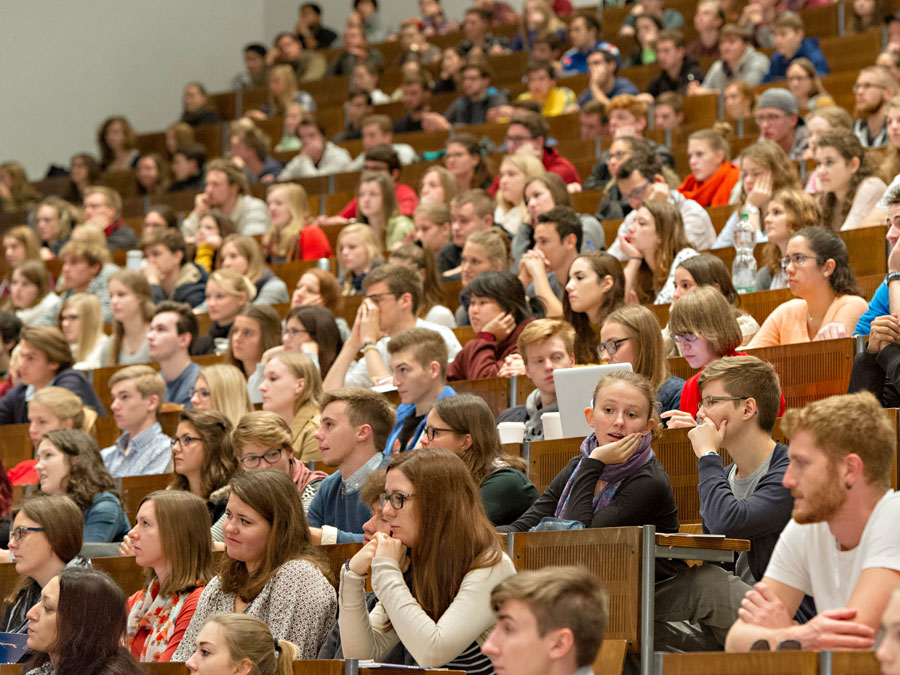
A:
{"x": 150, "y": 452}
{"x": 104, "y": 519}
{"x": 179, "y": 389}
{"x": 879, "y": 305}
{"x": 337, "y": 504}
{"x": 575, "y": 60}
{"x": 621, "y": 85}
{"x": 404, "y": 410}
{"x": 809, "y": 48}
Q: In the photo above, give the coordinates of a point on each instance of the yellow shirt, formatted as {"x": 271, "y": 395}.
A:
{"x": 559, "y": 99}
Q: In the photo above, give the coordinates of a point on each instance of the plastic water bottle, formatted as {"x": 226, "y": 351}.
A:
{"x": 743, "y": 269}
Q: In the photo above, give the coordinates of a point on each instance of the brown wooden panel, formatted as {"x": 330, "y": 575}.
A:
{"x": 854, "y": 663}
{"x": 134, "y": 488}
{"x": 15, "y": 444}
{"x": 494, "y": 391}
{"x": 752, "y": 663}
{"x": 128, "y": 574}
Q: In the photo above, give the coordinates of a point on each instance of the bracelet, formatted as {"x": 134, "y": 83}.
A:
{"x": 892, "y": 276}
{"x": 368, "y": 345}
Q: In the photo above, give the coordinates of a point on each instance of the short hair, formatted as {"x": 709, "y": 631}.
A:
{"x": 10, "y": 326}
{"x": 256, "y": 48}
{"x": 506, "y": 289}
{"x": 169, "y": 237}
{"x": 836, "y": 423}
{"x": 481, "y": 65}
{"x": 146, "y": 380}
{"x": 535, "y": 123}
{"x": 544, "y": 329}
{"x": 892, "y": 196}
{"x": 264, "y": 428}
{"x": 672, "y": 35}
{"x": 426, "y": 346}
{"x": 566, "y": 222}
{"x": 734, "y": 30}
{"x": 194, "y": 152}
{"x": 591, "y": 21}
{"x": 704, "y": 311}
{"x": 399, "y": 280}
{"x": 186, "y": 320}
{"x": 364, "y": 406}
{"x": 479, "y": 199}
{"x": 545, "y": 66}
{"x": 595, "y": 108}
{"x": 788, "y": 19}
{"x": 113, "y": 198}
{"x": 384, "y": 153}
{"x": 628, "y": 102}
{"x": 234, "y": 175}
{"x": 645, "y": 163}
{"x": 251, "y": 135}
{"x": 561, "y": 597}
{"x": 748, "y": 377}
{"x": 50, "y": 341}
{"x": 90, "y": 253}
{"x": 313, "y": 6}
{"x": 671, "y": 98}
{"x": 383, "y": 122}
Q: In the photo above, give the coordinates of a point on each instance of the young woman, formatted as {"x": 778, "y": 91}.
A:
{"x": 595, "y": 288}
{"x": 359, "y": 250}
{"x": 378, "y": 208}
{"x": 313, "y": 332}
{"x": 740, "y": 100}
{"x": 178, "y": 135}
{"x": 132, "y": 305}
{"x": 484, "y": 251}
{"x": 223, "y": 388}
{"x": 820, "y": 121}
{"x": 77, "y": 627}
{"x": 431, "y": 223}
{"x": 465, "y": 425}
{"x": 214, "y": 227}
{"x": 55, "y": 219}
{"x": 465, "y": 159}
{"x": 282, "y": 90}
{"x": 867, "y": 14}
{"x": 849, "y": 191}
{"x": 84, "y": 170}
{"x": 170, "y": 540}
{"x": 81, "y": 324}
{"x": 69, "y": 464}
{"x": 203, "y": 457}
{"x": 16, "y": 193}
{"x": 272, "y": 571}
{"x": 432, "y": 307}
{"x": 498, "y": 312}
{"x": 320, "y": 288}
{"x": 292, "y": 235}
{"x": 241, "y": 254}
{"x": 118, "y": 145}
{"x": 439, "y": 614}
{"x": 631, "y": 334}
{"x": 20, "y": 243}
{"x": 890, "y": 162}
{"x": 226, "y": 292}
{"x": 46, "y": 537}
{"x": 537, "y": 16}
{"x": 449, "y": 77}
{"x": 827, "y": 303}
{"x": 616, "y": 479}
{"x": 515, "y": 170}
{"x": 647, "y": 29}
{"x": 256, "y": 328}
{"x": 765, "y": 169}
{"x": 197, "y": 110}
{"x": 788, "y": 212}
{"x": 804, "y": 83}
{"x": 655, "y": 246}
{"x": 159, "y": 217}
{"x": 152, "y": 174}
{"x": 712, "y": 176}
{"x": 438, "y": 185}
{"x": 30, "y": 295}
{"x": 235, "y": 643}
{"x": 291, "y": 387}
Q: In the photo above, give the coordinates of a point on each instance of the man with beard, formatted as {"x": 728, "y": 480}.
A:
{"x": 873, "y": 89}
{"x": 778, "y": 118}
{"x": 842, "y": 546}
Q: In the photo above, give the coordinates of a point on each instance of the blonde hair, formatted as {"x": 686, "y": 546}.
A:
{"x": 227, "y": 390}
{"x": 448, "y": 182}
{"x": 265, "y": 428}
{"x": 639, "y": 382}
{"x": 279, "y": 241}
{"x": 302, "y": 367}
{"x": 770, "y": 157}
{"x": 66, "y": 405}
{"x": 288, "y": 79}
{"x": 529, "y": 165}
{"x": 494, "y": 243}
{"x": 643, "y": 329}
{"x": 29, "y": 240}
{"x": 67, "y": 214}
{"x": 249, "y": 250}
{"x": 369, "y": 239}
{"x": 233, "y": 283}
{"x": 146, "y": 380}
{"x": 90, "y": 319}
{"x": 706, "y": 314}
{"x": 247, "y": 637}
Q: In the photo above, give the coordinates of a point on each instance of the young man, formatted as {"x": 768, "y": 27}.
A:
{"x": 542, "y": 90}
{"x": 187, "y": 167}
{"x": 549, "y": 622}
{"x": 739, "y": 60}
{"x": 584, "y": 34}
{"x": 416, "y": 97}
{"x": 603, "y": 84}
{"x": 592, "y": 121}
{"x": 318, "y": 156}
{"x": 476, "y": 33}
{"x": 102, "y": 209}
{"x": 310, "y": 29}
{"x": 841, "y": 547}
{"x": 355, "y": 426}
{"x": 86, "y": 269}
{"x": 668, "y": 111}
{"x": 393, "y": 293}
{"x": 470, "y": 211}
{"x": 307, "y": 64}
{"x": 545, "y": 345}
{"x": 170, "y": 275}
{"x": 356, "y": 49}
{"x": 379, "y": 130}
{"x": 778, "y": 119}
{"x": 254, "y": 75}
{"x": 874, "y": 87}
{"x": 678, "y": 70}
{"x": 879, "y": 305}
{"x": 708, "y": 19}
{"x": 790, "y": 44}
{"x": 250, "y": 145}
{"x": 172, "y": 329}
{"x": 544, "y": 270}
{"x": 227, "y": 189}
{"x": 477, "y": 100}
{"x": 357, "y": 106}
{"x": 418, "y": 359}
{"x": 142, "y": 448}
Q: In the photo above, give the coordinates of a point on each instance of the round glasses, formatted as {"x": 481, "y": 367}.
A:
{"x": 270, "y": 456}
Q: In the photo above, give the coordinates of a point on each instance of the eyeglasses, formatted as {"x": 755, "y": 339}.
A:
{"x": 766, "y": 119}
{"x": 397, "y": 499}
{"x": 68, "y": 317}
{"x": 517, "y": 139}
{"x": 271, "y": 456}
{"x": 612, "y": 346}
{"x": 202, "y": 393}
{"x": 862, "y": 86}
{"x": 797, "y": 259}
{"x": 708, "y": 401}
{"x": 690, "y": 338}
{"x": 21, "y": 531}
{"x": 184, "y": 440}
{"x": 376, "y": 297}
{"x": 430, "y": 432}
{"x": 636, "y": 193}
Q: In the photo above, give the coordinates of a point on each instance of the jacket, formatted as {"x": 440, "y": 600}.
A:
{"x": 14, "y": 409}
{"x": 404, "y": 410}
{"x": 481, "y": 356}
{"x": 809, "y": 49}
{"x": 190, "y": 286}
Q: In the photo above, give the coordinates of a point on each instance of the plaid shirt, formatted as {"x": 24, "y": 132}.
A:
{"x": 149, "y": 452}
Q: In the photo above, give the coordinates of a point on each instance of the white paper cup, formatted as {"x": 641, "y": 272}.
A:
{"x": 552, "y": 426}
{"x": 511, "y": 432}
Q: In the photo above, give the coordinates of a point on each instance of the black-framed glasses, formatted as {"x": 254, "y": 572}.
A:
{"x": 612, "y": 346}
{"x": 294, "y": 332}
{"x": 797, "y": 259}
{"x": 431, "y": 432}
{"x": 376, "y": 297}
{"x": 637, "y": 193}
{"x": 19, "y": 532}
{"x": 187, "y": 439}
{"x": 708, "y": 401}
{"x": 271, "y": 456}
{"x": 202, "y": 393}
{"x": 396, "y": 499}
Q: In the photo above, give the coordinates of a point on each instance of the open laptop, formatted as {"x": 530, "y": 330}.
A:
{"x": 574, "y": 389}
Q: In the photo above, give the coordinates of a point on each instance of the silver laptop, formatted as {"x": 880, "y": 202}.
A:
{"x": 574, "y": 389}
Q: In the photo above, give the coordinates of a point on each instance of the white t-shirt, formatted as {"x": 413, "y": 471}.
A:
{"x": 808, "y": 557}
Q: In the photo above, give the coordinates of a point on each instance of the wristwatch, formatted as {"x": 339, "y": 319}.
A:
{"x": 367, "y": 345}
{"x": 892, "y": 276}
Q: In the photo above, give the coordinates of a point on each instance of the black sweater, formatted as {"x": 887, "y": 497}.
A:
{"x": 878, "y": 373}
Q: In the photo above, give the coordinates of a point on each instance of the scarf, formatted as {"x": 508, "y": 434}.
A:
{"x": 613, "y": 474}
{"x": 155, "y": 613}
{"x": 715, "y": 190}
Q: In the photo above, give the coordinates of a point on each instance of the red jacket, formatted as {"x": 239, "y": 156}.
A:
{"x": 690, "y": 394}
{"x": 553, "y": 163}
{"x": 407, "y": 200}
{"x": 482, "y": 356}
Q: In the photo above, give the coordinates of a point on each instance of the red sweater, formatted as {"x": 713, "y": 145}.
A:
{"x": 690, "y": 395}
{"x": 482, "y": 356}
{"x": 554, "y": 163}
{"x": 407, "y": 201}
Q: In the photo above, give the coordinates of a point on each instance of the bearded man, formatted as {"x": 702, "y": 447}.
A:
{"x": 874, "y": 87}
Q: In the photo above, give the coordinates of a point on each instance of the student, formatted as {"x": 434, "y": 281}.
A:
{"x": 470, "y": 211}
{"x": 740, "y": 60}
{"x": 86, "y": 269}
{"x": 545, "y": 345}
{"x": 465, "y": 425}
{"x": 168, "y": 271}
{"x": 378, "y": 208}
{"x": 272, "y": 571}
{"x": 214, "y": 226}
{"x": 544, "y": 271}
{"x": 438, "y": 186}
{"x": 235, "y": 641}
{"x": 313, "y": 332}
{"x": 356, "y": 423}
{"x": 223, "y": 388}
{"x": 450, "y": 588}
{"x": 419, "y": 366}
{"x": 515, "y": 171}
{"x": 291, "y": 387}
{"x": 421, "y": 261}
{"x": 549, "y": 622}
{"x": 227, "y": 291}
{"x": 849, "y": 191}
{"x": 603, "y": 82}
{"x": 542, "y": 89}
{"x": 131, "y": 299}
{"x": 484, "y": 251}
{"x": 30, "y": 295}
{"x": 788, "y": 212}
{"x": 227, "y": 189}
{"x": 142, "y": 448}
{"x": 840, "y": 547}
{"x": 170, "y": 540}
{"x": 317, "y": 155}
{"x": 668, "y": 111}
{"x": 479, "y": 98}
{"x": 713, "y": 176}
{"x": 677, "y": 69}
{"x": 292, "y": 236}
{"x": 80, "y": 323}
{"x": 54, "y": 218}
{"x": 242, "y": 254}
{"x": 69, "y": 464}
{"x": 172, "y": 330}
{"x": 358, "y": 252}
{"x": 102, "y": 209}
{"x": 790, "y": 44}
{"x": 255, "y": 330}
{"x": 320, "y": 288}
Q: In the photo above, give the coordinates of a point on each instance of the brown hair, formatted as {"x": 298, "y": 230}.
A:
{"x": 544, "y": 329}
{"x": 364, "y": 407}
{"x": 802, "y": 210}
{"x": 639, "y": 382}
{"x": 233, "y": 175}
{"x": 87, "y": 475}
{"x": 50, "y": 341}
{"x": 586, "y": 334}
{"x": 137, "y": 283}
{"x": 423, "y": 260}
{"x": 249, "y": 250}
{"x": 219, "y": 463}
{"x": 147, "y": 381}
{"x": 670, "y": 230}
{"x": 704, "y": 311}
{"x": 748, "y": 377}
{"x": 848, "y": 146}
{"x": 35, "y": 273}
{"x": 426, "y": 345}
{"x": 128, "y": 143}
{"x": 770, "y": 157}
{"x": 269, "y": 332}
{"x": 400, "y": 280}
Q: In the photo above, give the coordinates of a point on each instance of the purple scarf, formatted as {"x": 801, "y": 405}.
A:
{"x": 613, "y": 474}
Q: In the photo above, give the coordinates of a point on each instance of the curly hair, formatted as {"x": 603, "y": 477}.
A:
{"x": 219, "y": 461}
{"x": 87, "y": 475}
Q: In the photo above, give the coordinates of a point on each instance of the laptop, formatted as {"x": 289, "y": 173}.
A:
{"x": 574, "y": 390}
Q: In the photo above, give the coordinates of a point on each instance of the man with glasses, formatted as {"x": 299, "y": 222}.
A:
{"x": 874, "y": 87}
{"x": 790, "y": 45}
{"x": 392, "y": 297}
{"x": 778, "y": 118}
{"x": 172, "y": 329}
{"x": 475, "y": 105}
{"x": 142, "y": 448}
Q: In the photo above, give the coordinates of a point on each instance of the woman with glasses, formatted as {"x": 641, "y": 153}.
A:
{"x": 433, "y": 603}
{"x": 805, "y": 84}
{"x": 223, "y": 388}
{"x": 465, "y": 425}
{"x": 827, "y": 303}
{"x": 313, "y": 332}
{"x": 271, "y": 571}
{"x": 291, "y": 388}
{"x": 203, "y": 456}
{"x": 46, "y": 537}
{"x": 595, "y": 288}
{"x": 170, "y": 540}
{"x": 256, "y": 329}
{"x": 631, "y": 334}
{"x": 788, "y": 212}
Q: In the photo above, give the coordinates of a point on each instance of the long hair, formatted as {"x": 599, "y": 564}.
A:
{"x": 274, "y": 497}
{"x": 587, "y": 340}
{"x": 302, "y": 367}
{"x": 249, "y": 250}
{"x": 23, "y": 193}
{"x": 816, "y": 86}
{"x": 483, "y": 173}
{"x": 389, "y": 207}
{"x": 770, "y": 157}
{"x": 323, "y": 330}
{"x": 288, "y": 79}
{"x": 506, "y": 289}
{"x": 371, "y": 241}
{"x": 670, "y": 230}
{"x": 802, "y": 210}
{"x": 270, "y": 331}
{"x": 448, "y": 182}
{"x": 163, "y": 176}
{"x": 849, "y": 148}
{"x": 35, "y": 273}
{"x": 28, "y": 239}
{"x": 530, "y": 166}
{"x": 708, "y": 270}
{"x": 107, "y": 156}
{"x": 247, "y": 637}
{"x": 642, "y": 327}
{"x": 890, "y": 163}
{"x": 454, "y": 520}
{"x": 827, "y": 244}
{"x": 66, "y": 405}
{"x": 279, "y": 240}
{"x": 227, "y": 390}
{"x": 329, "y": 289}
{"x": 90, "y": 320}
{"x": 67, "y": 215}
{"x": 219, "y": 463}
{"x": 137, "y": 283}
{"x": 422, "y": 260}
{"x": 87, "y": 475}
